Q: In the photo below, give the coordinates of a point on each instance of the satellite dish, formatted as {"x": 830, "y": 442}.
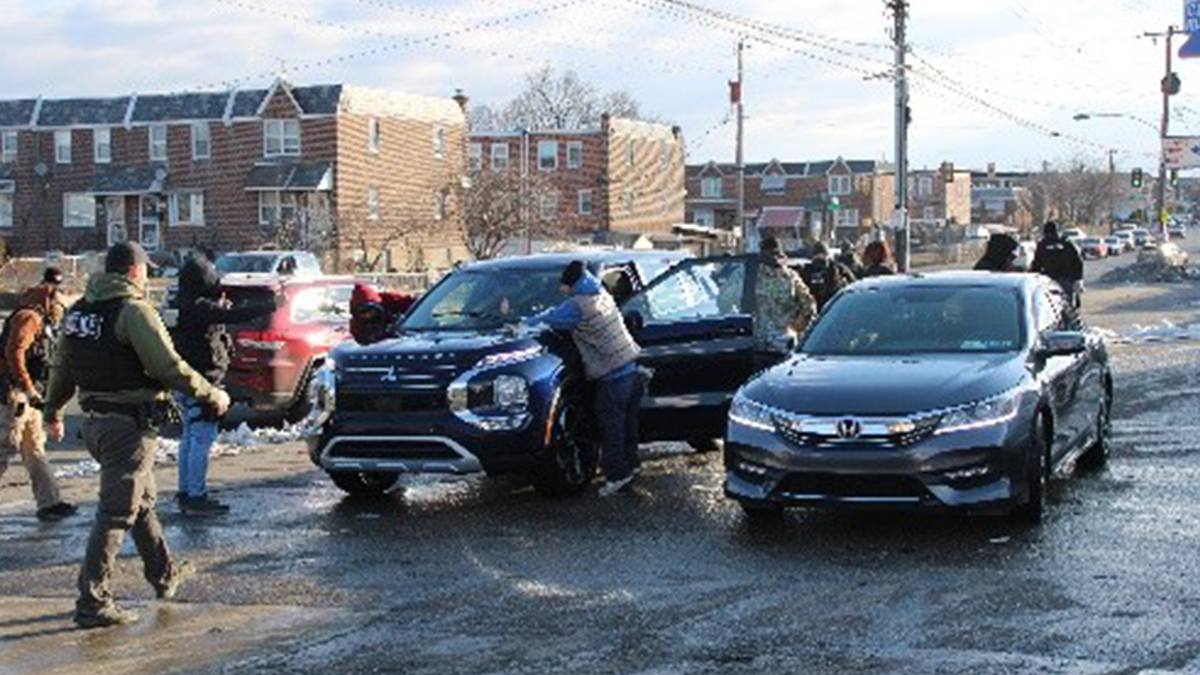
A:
{"x": 160, "y": 174}
{"x": 41, "y": 169}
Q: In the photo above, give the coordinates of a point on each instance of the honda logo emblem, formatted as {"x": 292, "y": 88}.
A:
{"x": 849, "y": 429}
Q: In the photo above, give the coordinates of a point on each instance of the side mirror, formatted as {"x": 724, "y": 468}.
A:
{"x": 1063, "y": 343}
{"x": 634, "y": 322}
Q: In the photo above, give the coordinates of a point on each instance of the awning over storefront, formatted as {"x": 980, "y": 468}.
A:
{"x": 296, "y": 177}
{"x": 781, "y": 218}
{"x": 130, "y": 180}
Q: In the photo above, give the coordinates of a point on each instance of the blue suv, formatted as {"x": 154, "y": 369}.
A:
{"x": 460, "y": 391}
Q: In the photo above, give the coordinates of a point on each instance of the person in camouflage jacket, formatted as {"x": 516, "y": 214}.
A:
{"x": 784, "y": 305}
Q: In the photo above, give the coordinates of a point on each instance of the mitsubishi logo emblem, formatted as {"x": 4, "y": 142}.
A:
{"x": 849, "y": 429}
{"x": 390, "y": 376}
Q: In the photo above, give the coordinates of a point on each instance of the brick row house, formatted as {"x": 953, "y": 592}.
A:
{"x": 360, "y": 174}
{"x": 613, "y": 184}
{"x": 795, "y": 201}
{"x": 939, "y": 197}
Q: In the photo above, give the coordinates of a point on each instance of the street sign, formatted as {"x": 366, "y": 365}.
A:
{"x": 1191, "y": 26}
{"x": 1181, "y": 152}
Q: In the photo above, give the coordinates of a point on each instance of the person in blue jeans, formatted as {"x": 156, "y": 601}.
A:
{"x": 609, "y": 356}
{"x": 203, "y": 341}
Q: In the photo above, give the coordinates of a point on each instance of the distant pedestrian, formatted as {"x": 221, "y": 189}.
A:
{"x": 1000, "y": 254}
{"x": 877, "y": 260}
{"x": 825, "y": 277}
{"x": 1057, "y": 258}
{"x": 784, "y": 307}
{"x": 848, "y": 258}
{"x": 609, "y": 356}
{"x": 373, "y": 314}
{"x": 116, "y": 352}
{"x": 28, "y": 344}
{"x": 202, "y": 340}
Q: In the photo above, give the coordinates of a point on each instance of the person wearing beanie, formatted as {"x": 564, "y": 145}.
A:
{"x": 373, "y": 313}
{"x": 609, "y": 356}
{"x": 783, "y": 305}
{"x": 1057, "y": 258}
{"x": 825, "y": 278}
{"x": 1000, "y": 254}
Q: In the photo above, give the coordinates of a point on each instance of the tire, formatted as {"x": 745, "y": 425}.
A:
{"x": 1037, "y": 467}
{"x": 760, "y": 511}
{"x": 1096, "y": 456}
{"x": 706, "y": 445}
{"x": 570, "y": 465}
{"x": 364, "y": 484}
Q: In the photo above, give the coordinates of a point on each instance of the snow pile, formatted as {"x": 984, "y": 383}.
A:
{"x": 88, "y": 467}
{"x": 1149, "y": 272}
{"x": 1166, "y": 331}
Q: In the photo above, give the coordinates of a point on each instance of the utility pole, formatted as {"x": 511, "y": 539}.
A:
{"x": 903, "y": 251}
{"x": 1169, "y": 88}
{"x": 1112, "y": 187}
{"x": 738, "y": 91}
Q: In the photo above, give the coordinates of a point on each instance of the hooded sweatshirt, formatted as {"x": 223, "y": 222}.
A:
{"x": 139, "y": 326}
{"x": 200, "y": 333}
{"x": 597, "y": 327}
{"x": 27, "y": 325}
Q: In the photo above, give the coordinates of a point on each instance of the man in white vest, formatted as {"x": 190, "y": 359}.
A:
{"x": 610, "y": 360}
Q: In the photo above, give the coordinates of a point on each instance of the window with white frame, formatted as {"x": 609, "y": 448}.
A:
{"x": 841, "y": 185}
{"x": 439, "y": 205}
{"x": 373, "y": 203}
{"x": 629, "y": 153}
{"x": 710, "y": 187}
{"x": 439, "y": 143}
{"x": 924, "y": 186}
{"x": 845, "y": 218}
{"x": 201, "y": 141}
{"x": 79, "y": 210}
{"x": 575, "y": 155}
{"x": 704, "y": 218}
{"x": 276, "y": 207}
{"x": 8, "y": 191}
{"x": 665, "y": 151}
{"x": 548, "y": 155}
{"x": 374, "y": 136}
{"x": 666, "y": 202}
{"x": 8, "y": 145}
{"x": 475, "y": 156}
{"x": 930, "y": 213}
{"x": 629, "y": 202}
{"x": 281, "y": 138}
{"x": 62, "y": 146}
{"x": 158, "y": 142}
{"x": 549, "y": 206}
{"x": 499, "y": 156}
{"x": 585, "y": 203}
{"x": 186, "y": 209}
{"x": 102, "y": 145}
{"x": 774, "y": 182}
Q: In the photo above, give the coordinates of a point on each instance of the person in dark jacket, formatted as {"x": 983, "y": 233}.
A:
{"x": 1000, "y": 254}
{"x": 848, "y": 258}
{"x": 372, "y": 313}
{"x": 877, "y": 260}
{"x": 204, "y": 342}
{"x": 825, "y": 277}
{"x": 1058, "y": 259}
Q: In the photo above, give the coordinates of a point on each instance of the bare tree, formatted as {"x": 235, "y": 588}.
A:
{"x": 1076, "y": 191}
{"x": 500, "y": 207}
{"x": 555, "y": 101}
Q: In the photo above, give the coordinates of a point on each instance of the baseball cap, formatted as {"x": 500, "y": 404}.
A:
{"x": 52, "y": 276}
{"x": 572, "y": 274}
{"x": 121, "y": 257}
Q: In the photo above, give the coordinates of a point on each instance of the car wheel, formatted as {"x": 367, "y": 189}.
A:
{"x": 1037, "y": 467}
{"x": 706, "y": 445}
{"x": 364, "y": 484}
{"x": 1096, "y": 456}
{"x": 570, "y": 465}
{"x": 760, "y": 511}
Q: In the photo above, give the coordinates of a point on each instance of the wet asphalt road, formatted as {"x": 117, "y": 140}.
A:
{"x": 485, "y": 576}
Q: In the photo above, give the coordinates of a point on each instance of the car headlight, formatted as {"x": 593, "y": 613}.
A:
{"x": 510, "y": 392}
{"x": 748, "y": 413}
{"x": 986, "y": 413}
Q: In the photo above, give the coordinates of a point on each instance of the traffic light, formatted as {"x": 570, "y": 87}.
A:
{"x": 948, "y": 171}
{"x": 1136, "y": 179}
{"x": 1174, "y": 177}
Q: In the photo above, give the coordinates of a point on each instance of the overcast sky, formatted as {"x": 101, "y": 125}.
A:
{"x": 981, "y": 65}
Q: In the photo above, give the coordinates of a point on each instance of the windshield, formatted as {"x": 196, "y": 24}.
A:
{"x": 919, "y": 320}
{"x": 246, "y": 264}
{"x": 485, "y": 299}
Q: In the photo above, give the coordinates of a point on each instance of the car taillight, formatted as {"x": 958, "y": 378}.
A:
{"x": 264, "y": 340}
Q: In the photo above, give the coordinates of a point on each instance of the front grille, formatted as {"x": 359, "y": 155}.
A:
{"x": 851, "y": 485}
{"x": 431, "y": 401}
{"x": 822, "y": 438}
{"x": 398, "y": 450}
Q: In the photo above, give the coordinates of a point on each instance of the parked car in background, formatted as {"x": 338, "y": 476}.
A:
{"x": 1073, "y": 234}
{"x": 1177, "y": 230}
{"x": 1092, "y": 247}
{"x": 1114, "y": 245}
{"x": 994, "y": 384}
{"x": 300, "y": 264}
{"x": 1142, "y": 238}
{"x": 1126, "y": 237}
{"x": 274, "y": 358}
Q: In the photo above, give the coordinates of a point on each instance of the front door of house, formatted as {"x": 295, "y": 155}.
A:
{"x": 149, "y": 223}
{"x": 114, "y": 215}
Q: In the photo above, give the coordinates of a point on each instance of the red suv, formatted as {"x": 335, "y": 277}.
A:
{"x": 274, "y": 357}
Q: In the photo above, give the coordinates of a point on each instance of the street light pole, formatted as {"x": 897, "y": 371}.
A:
{"x": 743, "y": 228}
{"x": 1160, "y": 190}
{"x": 903, "y": 251}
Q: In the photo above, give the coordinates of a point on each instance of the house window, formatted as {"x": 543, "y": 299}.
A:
{"x": 499, "y": 156}
{"x": 186, "y": 208}
{"x": 585, "y": 202}
{"x": 62, "y": 146}
{"x": 930, "y": 213}
{"x": 439, "y": 205}
{"x": 102, "y": 145}
{"x": 774, "y": 182}
{"x": 276, "y": 207}
{"x": 840, "y": 185}
{"x": 374, "y": 137}
{"x": 549, "y": 206}
{"x": 373, "y": 203}
{"x": 8, "y": 146}
{"x": 475, "y": 156}
{"x": 7, "y": 189}
{"x": 201, "y": 141}
{"x": 663, "y": 148}
{"x": 281, "y": 137}
{"x": 79, "y": 210}
{"x": 158, "y": 142}
{"x": 924, "y": 186}
{"x": 845, "y": 218}
{"x": 629, "y": 152}
{"x": 629, "y": 202}
{"x": 439, "y": 143}
{"x": 704, "y": 218}
{"x": 666, "y": 202}
{"x": 548, "y": 155}
{"x": 149, "y": 223}
{"x": 710, "y": 187}
{"x": 575, "y": 155}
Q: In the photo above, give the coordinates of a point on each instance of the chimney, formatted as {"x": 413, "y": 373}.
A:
{"x": 991, "y": 169}
{"x": 461, "y": 99}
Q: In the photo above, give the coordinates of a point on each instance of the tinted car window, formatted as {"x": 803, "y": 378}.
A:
{"x": 485, "y": 299}
{"x": 320, "y": 305}
{"x": 253, "y": 295}
{"x": 246, "y": 264}
{"x": 694, "y": 291}
{"x": 919, "y": 320}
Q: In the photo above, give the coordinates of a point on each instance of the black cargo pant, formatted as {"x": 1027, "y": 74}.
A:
{"x": 125, "y": 452}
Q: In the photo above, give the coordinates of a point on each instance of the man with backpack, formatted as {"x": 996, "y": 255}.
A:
{"x": 27, "y": 343}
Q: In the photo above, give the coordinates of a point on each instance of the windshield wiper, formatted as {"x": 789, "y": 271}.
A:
{"x": 470, "y": 314}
